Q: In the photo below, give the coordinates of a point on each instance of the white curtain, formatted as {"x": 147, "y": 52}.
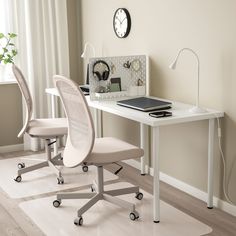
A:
{"x": 5, "y": 17}
{"x": 43, "y": 50}
{"x": 6, "y": 26}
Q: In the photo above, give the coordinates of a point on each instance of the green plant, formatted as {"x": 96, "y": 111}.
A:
{"x": 7, "y": 48}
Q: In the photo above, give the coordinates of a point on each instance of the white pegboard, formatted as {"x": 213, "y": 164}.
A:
{"x": 130, "y": 78}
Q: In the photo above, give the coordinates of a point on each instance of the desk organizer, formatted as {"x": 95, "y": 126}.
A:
{"x": 132, "y": 71}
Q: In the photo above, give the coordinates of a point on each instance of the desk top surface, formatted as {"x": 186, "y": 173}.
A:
{"x": 180, "y": 111}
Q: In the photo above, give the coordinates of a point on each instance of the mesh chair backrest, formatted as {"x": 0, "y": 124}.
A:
{"x": 26, "y": 95}
{"x": 81, "y": 135}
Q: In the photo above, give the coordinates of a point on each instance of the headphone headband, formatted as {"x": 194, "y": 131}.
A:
{"x": 103, "y": 73}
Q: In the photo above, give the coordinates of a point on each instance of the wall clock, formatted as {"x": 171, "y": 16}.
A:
{"x": 122, "y": 23}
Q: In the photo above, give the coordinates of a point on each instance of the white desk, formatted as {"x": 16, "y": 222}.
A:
{"x": 180, "y": 115}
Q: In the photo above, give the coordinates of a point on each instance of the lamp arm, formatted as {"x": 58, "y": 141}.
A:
{"x": 198, "y": 70}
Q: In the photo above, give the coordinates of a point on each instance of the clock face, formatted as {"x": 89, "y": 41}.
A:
{"x": 122, "y": 22}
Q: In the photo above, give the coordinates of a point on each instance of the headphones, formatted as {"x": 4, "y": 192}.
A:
{"x": 101, "y": 70}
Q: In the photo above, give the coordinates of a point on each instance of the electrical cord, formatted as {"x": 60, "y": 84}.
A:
{"x": 225, "y": 183}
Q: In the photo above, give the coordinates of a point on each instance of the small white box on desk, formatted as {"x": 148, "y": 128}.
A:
{"x": 111, "y": 95}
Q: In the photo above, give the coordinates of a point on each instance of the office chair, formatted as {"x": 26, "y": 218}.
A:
{"x": 83, "y": 147}
{"x": 46, "y": 129}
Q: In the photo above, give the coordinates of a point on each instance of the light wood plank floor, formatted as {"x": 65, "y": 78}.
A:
{"x": 14, "y": 222}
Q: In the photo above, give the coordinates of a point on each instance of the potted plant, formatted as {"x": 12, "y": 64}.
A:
{"x": 7, "y": 54}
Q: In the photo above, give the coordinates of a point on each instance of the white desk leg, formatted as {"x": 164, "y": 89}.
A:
{"x": 98, "y": 122}
{"x": 210, "y": 163}
{"x": 54, "y": 105}
{"x": 156, "y": 183}
{"x": 145, "y": 145}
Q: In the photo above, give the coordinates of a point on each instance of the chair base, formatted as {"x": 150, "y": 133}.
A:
{"x": 98, "y": 194}
{"x": 51, "y": 162}
{"x": 56, "y": 161}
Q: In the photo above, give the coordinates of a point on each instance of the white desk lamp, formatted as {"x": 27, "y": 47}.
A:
{"x": 87, "y": 54}
{"x": 195, "y": 109}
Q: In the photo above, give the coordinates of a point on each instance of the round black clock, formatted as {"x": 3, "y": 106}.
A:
{"x": 122, "y": 22}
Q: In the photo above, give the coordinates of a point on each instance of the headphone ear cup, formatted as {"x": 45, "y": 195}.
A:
{"x": 98, "y": 75}
{"x": 105, "y": 75}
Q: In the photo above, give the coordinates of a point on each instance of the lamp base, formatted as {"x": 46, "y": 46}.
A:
{"x": 197, "y": 110}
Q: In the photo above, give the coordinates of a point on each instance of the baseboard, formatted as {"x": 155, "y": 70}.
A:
{"x": 136, "y": 164}
{"x": 12, "y": 148}
{"x": 195, "y": 192}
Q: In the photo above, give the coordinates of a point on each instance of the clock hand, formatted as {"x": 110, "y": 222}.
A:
{"x": 123, "y": 20}
{"x": 119, "y": 20}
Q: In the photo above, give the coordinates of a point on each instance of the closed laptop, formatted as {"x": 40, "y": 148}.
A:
{"x": 144, "y": 103}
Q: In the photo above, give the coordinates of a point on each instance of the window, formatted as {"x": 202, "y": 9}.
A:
{"x": 5, "y": 16}
{"x": 6, "y": 21}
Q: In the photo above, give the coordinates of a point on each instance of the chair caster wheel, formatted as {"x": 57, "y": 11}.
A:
{"x": 139, "y": 196}
{"x": 21, "y": 165}
{"x": 18, "y": 179}
{"x": 85, "y": 168}
{"x": 60, "y": 180}
{"x": 78, "y": 221}
{"x": 60, "y": 157}
{"x": 56, "y": 203}
{"x": 134, "y": 215}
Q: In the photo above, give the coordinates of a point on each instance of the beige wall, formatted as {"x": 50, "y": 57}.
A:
{"x": 74, "y": 31}
{"x": 10, "y": 115}
{"x": 160, "y": 29}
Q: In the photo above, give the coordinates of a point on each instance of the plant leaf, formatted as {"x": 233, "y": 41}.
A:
{"x": 7, "y": 48}
{"x": 12, "y": 35}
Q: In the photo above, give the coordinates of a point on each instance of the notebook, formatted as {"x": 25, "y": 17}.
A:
{"x": 144, "y": 104}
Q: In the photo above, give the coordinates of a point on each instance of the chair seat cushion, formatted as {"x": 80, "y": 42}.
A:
{"x": 108, "y": 150}
{"x": 47, "y": 127}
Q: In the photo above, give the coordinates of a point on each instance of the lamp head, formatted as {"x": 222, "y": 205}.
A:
{"x": 173, "y": 65}
{"x": 83, "y": 55}
{"x": 87, "y": 53}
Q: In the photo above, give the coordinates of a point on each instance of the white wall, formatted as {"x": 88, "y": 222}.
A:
{"x": 160, "y": 29}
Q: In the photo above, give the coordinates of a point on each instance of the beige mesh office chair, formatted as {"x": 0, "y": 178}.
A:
{"x": 82, "y": 147}
{"x": 46, "y": 129}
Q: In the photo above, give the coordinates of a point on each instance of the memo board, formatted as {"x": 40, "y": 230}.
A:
{"x": 129, "y": 71}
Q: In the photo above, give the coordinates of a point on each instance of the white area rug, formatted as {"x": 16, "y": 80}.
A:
{"x": 43, "y": 180}
{"x": 108, "y": 220}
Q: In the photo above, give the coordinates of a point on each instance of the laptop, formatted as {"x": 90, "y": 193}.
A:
{"x": 145, "y": 104}
{"x": 85, "y": 89}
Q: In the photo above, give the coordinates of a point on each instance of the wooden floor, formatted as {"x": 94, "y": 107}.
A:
{"x": 14, "y": 222}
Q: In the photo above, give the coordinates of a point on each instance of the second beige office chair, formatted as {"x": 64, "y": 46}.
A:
{"x": 82, "y": 147}
{"x": 46, "y": 129}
